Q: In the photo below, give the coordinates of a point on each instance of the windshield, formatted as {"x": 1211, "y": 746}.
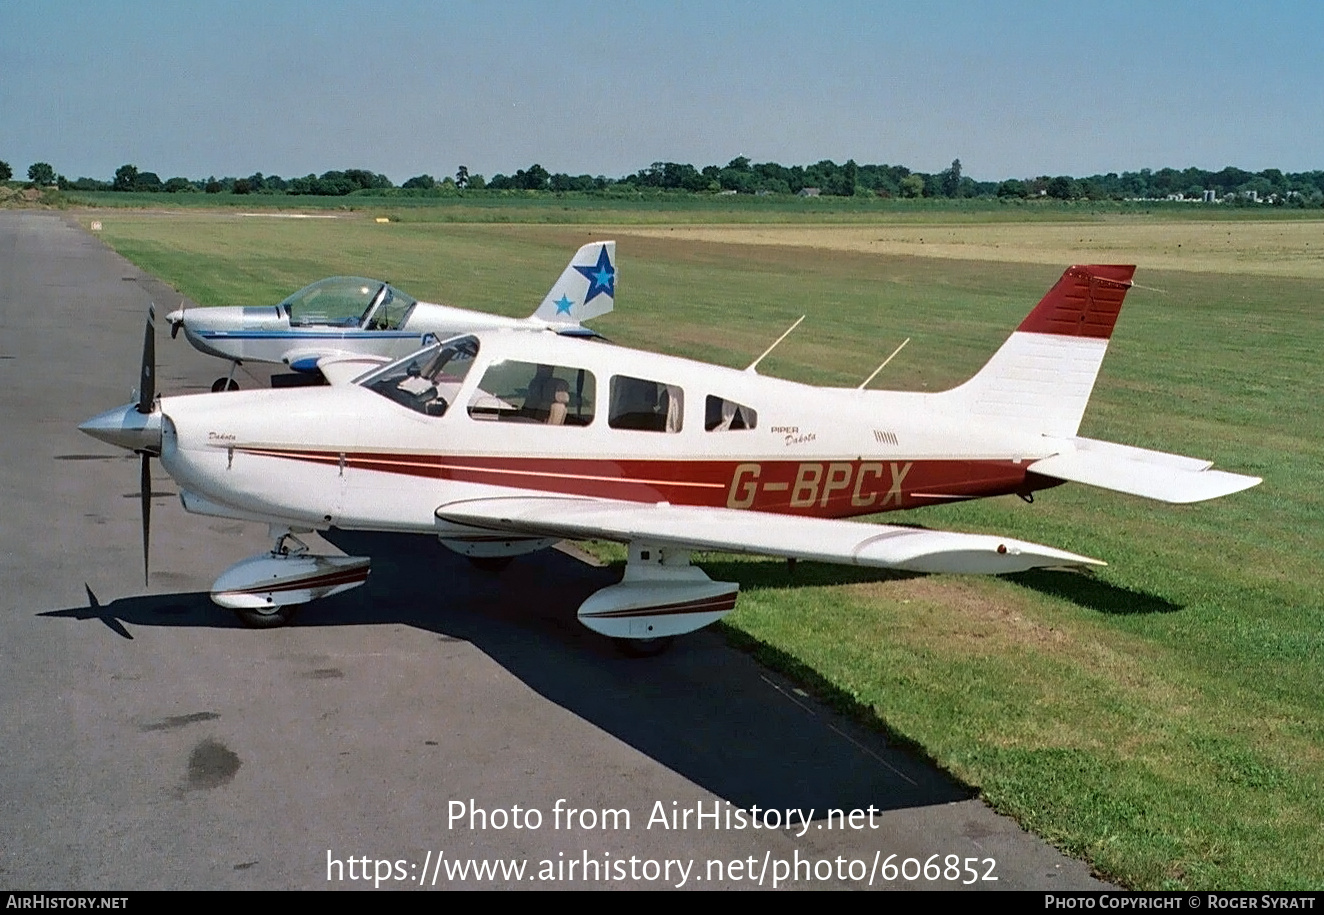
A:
{"x": 428, "y": 380}
{"x": 346, "y": 301}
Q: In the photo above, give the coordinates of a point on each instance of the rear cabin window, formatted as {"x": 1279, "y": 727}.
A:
{"x": 645, "y": 406}
{"x": 528, "y": 392}
{"x": 722, "y": 415}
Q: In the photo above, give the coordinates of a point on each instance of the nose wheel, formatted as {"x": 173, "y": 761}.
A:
{"x": 268, "y": 618}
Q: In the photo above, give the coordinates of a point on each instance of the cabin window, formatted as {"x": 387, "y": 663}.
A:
{"x": 645, "y": 406}
{"x": 427, "y": 381}
{"x": 527, "y": 392}
{"x": 391, "y": 311}
{"x": 722, "y": 415}
{"x": 342, "y": 301}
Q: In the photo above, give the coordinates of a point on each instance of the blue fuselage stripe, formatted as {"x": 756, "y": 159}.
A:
{"x": 296, "y": 335}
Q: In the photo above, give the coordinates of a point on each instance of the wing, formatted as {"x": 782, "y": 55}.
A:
{"x": 342, "y": 369}
{"x": 728, "y": 530}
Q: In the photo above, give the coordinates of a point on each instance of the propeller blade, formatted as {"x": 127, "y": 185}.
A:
{"x": 145, "y": 496}
{"x": 147, "y": 376}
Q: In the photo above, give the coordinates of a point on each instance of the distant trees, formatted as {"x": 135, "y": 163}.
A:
{"x": 949, "y": 180}
{"x": 126, "y": 176}
{"x": 536, "y": 178}
{"x": 1013, "y": 187}
{"x": 744, "y": 176}
{"x": 41, "y": 173}
{"x": 5, "y": 171}
{"x": 337, "y": 183}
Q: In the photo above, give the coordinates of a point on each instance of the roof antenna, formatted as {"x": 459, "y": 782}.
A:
{"x": 866, "y": 381}
{"x": 751, "y": 366}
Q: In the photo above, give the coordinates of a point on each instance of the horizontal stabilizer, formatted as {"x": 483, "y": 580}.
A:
{"x": 1140, "y": 472}
{"x": 733, "y": 531}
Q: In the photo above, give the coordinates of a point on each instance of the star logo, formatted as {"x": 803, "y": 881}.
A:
{"x": 563, "y": 305}
{"x": 601, "y": 277}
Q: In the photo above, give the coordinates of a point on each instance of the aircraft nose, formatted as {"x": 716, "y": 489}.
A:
{"x": 124, "y": 427}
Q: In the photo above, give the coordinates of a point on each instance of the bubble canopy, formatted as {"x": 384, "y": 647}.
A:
{"x": 348, "y": 301}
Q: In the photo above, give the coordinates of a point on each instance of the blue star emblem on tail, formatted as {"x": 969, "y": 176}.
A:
{"x": 601, "y": 277}
{"x": 563, "y": 305}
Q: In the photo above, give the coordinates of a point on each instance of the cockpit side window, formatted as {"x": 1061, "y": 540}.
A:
{"x": 527, "y": 392}
{"x": 428, "y": 381}
{"x": 722, "y": 415}
{"x": 390, "y": 312}
{"x": 645, "y": 406}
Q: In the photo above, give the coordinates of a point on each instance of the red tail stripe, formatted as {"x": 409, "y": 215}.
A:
{"x": 1084, "y": 303}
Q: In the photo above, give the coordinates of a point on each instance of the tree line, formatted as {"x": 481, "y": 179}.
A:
{"x": 741, "y": 176}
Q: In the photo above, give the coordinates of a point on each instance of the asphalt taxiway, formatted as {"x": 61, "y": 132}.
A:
{"x": 151, "y": 742}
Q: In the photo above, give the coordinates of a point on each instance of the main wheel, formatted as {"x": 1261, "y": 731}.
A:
{"x": 644, "y": 648}
{"x": 271, "y": 618}
{"x": 224, "y": 384}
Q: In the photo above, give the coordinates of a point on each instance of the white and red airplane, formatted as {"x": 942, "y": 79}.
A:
{"x": 353, "y": 316}
{"x": 500, "y": 443}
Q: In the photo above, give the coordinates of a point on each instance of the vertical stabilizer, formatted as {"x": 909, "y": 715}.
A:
{"x": 585, "y": 290}
{"x": 1042, "y": 376}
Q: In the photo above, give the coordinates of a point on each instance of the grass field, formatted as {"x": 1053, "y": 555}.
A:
{"x": 1163, "y": 720}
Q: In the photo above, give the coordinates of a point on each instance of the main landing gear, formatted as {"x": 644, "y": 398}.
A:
{"x": 227, "y": 383}
{"x": 660, "y": 597}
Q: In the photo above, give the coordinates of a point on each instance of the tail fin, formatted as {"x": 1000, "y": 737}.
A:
{"x": 1042, "y": 376}
{"x": 585, "y": 290}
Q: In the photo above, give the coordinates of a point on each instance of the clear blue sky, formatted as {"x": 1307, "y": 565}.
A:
{"x": 1014, "y": 89}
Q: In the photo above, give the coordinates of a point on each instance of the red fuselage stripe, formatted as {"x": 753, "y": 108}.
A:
{"x": 324, "y": 580}
{"x": 819, "y": 488}
{"x": 719, "y": 604}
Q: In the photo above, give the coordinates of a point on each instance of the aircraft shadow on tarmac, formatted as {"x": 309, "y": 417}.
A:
{"x": 702, "y": 709}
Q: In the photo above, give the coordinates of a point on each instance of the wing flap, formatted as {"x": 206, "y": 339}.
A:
{"x": 729, "y": 530}
{"x": 1140, "y": 472}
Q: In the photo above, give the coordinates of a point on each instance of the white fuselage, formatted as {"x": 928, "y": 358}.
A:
{"x": 264, "y": 334}
{"x": 346, "y": 456}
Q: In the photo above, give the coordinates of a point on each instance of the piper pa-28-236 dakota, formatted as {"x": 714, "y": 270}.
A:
{"x": 502, "y": 443}
{"x": 345, "y": 316}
